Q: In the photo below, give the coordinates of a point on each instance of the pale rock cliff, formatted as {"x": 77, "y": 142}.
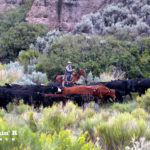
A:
{"x": 62, "y": 14}
{"x": 6, "y": 5}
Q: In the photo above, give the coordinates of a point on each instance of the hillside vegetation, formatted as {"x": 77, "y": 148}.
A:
{"x": 126, "y": 49}
{"x": 116, "y": 40}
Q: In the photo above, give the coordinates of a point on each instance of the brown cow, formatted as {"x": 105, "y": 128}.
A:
{"x": 100, "y": 91}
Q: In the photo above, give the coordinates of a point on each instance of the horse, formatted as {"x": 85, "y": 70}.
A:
{"x": 75, "y": 77}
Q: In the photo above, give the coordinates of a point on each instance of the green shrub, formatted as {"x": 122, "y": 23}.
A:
{"x": 25, "y": 56}
{"x": 125, "y": 107}
{"x": 119, "y": 131}
{"x": 10, "y": 106}
{"x": 19, "y": 38}
{"x": 31, "y": 122}
{"x": 99, "y": 54}
{"x": 88, "y": 112}
{"x": 73, "y": 114}
{"x": 139, "y": 113}
{"x": 147, "y": 133}
{"x": 21, "y": 108}
{"x": 90, "y": 124}
{"x": 105, "y": 115}
{"x": 12, "y": 18}
{"x": 24, "y": 138}
{"x": 34, "y": 131}
{"x": 65, "y": 141}
{"x": 17, "y": 108}
{"x": 7, "y": 142}
{"x": 2, "y": 113}
{"x": 144, "y": 100}
{"x": 53, "y": 120}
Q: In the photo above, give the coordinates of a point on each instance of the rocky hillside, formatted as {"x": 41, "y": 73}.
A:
{"x": 88, "y": 16}
{"x": 9, "y": 4}
{"x": 62, "y": 14}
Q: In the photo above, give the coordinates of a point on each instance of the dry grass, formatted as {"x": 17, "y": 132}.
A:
{"x": 10, "y": 75}
{"x": 109, "y": 76}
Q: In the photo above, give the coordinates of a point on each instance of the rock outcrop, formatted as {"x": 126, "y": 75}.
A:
{"x": 6, "y": 5}
{"x": 62, "y": 14}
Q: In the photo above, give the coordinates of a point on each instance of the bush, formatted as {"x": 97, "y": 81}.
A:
{"x": 119, "y": 131}
{"x": 53, "y": 120}
{"x": 145, "y": 11}
{"x": 44, "y": 44}
{"x": 125, "y": 107}
{"x": 142, "y": 28}
{"x": 18, "y": 74}
{"x": 73, "y": 115}
{"x": 64, "y": 141}
{"x": 28, "y": 57}
{"x": 90, "y": 124}
{"x": 147, "y": 133}
{"x": 88, "y": 112}
{"x": 2, "y": 112}
{"x": 141, "y": 145}
{"x": 25, "y": 138}
{"x": 98, "y": 55}
{"x": 10, "y": 106}
{"x": 139, "y": 113}
{"x": 17, "y": 108}
{"x": 113, "y": 14}
{"x": 84, "y": 26}
{"x": 12, "y": 18}
{"x": 144, "y": 100}
{"x": 18, "y": 38}
{"x": 31, "y": 122}
{"x": 21, "y": 108}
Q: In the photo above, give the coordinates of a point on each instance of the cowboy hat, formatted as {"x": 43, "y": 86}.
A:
{"x": 69, "y": 62}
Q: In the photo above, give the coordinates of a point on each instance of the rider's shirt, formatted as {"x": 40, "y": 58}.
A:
{"x": 68, "y": 70}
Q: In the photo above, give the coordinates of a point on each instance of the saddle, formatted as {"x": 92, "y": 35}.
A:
{"x": 67, "y": 78}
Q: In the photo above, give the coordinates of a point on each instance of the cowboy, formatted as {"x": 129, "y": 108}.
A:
{"x": 68, "y": 72}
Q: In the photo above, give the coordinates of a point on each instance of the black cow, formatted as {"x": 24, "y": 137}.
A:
{"x": 142, "y": 85}
{"x": 35, "y": 88}
{"x": 31, "y": 94}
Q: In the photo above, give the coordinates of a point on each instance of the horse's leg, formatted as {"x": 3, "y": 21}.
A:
{"x": 63, "y": 83}
{"x": 63, "y": 80}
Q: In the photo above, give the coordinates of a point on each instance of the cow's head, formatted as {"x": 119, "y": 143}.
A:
{"x": 103, "y": 92}
{"x": 112, "y": 94}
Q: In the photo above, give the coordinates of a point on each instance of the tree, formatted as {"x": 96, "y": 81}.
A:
{"x": 19, "y": 38}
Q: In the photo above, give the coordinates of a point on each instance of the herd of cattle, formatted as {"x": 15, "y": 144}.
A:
{"x": 100, "y": 92}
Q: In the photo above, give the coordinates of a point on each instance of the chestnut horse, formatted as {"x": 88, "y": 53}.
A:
{"x": 75, "y": 77}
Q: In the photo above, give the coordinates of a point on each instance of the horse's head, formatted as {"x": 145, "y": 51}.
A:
{"x": 82, "y": 72}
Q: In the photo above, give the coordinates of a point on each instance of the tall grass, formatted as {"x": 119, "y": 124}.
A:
{"x": 114, "y": 75}
{"x": 11, "y": 75}
{"x": 15, "y": 73}
{"x": 103, "y": 77}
